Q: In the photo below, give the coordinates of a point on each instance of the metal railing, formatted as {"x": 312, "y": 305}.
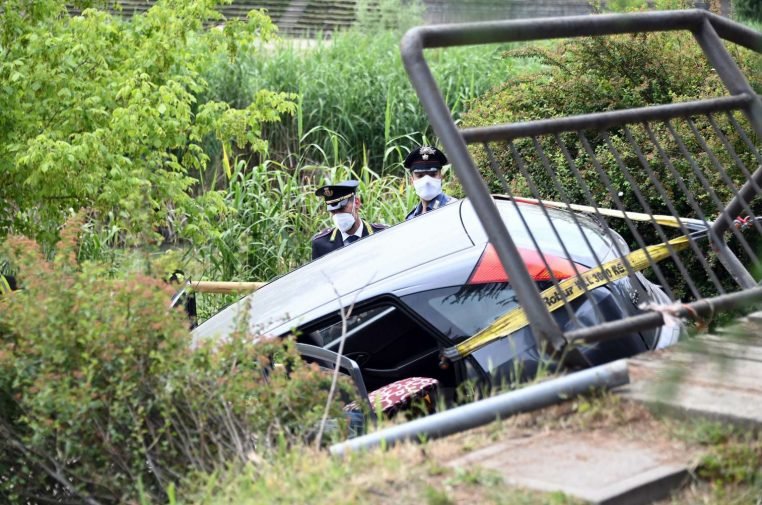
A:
{"x": 707, "y": 152}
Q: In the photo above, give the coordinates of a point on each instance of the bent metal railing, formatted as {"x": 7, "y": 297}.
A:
{"x": 696, "y": 132}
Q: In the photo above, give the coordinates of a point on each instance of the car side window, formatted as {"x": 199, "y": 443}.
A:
{"x": 462, "y": 311}
{"x": 382, "y": 337}
{"x": 389, "y": 343}
{"x": 329, "y": 335}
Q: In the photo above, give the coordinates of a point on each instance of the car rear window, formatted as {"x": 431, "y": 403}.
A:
{"x": 461, "y": 311}
{"x": 577, "y": 240}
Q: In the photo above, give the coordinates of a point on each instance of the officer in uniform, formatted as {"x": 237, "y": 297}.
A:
{"x": 343, "y": 203}
{"x": 425, "y": 165}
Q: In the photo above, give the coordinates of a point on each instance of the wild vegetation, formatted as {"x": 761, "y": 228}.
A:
{"x": 748, "y": 9}
{"x": 600, "y": 74}
{"x": 161, "y": 132}
{"x": 103, "y": 400}
{"x": 103, "y": 114}
{"x": 356, "y": 105}
{"x": 184, "y": 114}
{"x": 728, "y": 466}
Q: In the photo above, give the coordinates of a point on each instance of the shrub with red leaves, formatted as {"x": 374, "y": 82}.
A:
{"x": 102, "y": 400}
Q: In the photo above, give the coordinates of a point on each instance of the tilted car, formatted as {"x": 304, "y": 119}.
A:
{"x": 427, "y": 284}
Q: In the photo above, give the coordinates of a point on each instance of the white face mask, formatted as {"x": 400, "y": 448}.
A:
{"x": 343, "y": 221}
{"x": 427, "y": 187}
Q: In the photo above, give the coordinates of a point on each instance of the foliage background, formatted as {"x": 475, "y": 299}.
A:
{"x": 212, "y": 141}
{"x": 748, "y": 9}
{"x": 103, "y": 400}
{"x": 166, "y": 132}
{"x": 103, "y": 113}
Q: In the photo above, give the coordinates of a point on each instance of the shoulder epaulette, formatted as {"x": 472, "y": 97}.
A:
{"x": 322, "y": 233}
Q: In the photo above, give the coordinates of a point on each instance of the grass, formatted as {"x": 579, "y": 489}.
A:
{"x": 405, "y": 474}
{"x": 423, "y": 473}
{"x": 729, "y": 469}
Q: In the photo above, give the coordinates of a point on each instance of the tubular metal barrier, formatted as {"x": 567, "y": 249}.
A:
{"x": 692, "y": 168}
{"x": 485, "y": 411}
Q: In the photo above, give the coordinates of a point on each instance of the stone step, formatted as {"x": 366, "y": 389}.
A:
{"x": 713, "y": 378}
{"x": 598, "y": 466}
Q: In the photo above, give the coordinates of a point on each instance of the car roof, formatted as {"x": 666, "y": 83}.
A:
{"x": 349, "y": 274}
{"x": 436, "y": 249}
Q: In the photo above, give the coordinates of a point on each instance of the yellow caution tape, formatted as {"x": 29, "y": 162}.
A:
{"x": 664, "y": 220}
{"x": 5, "y": 287}
{"x": 566, "y": 291}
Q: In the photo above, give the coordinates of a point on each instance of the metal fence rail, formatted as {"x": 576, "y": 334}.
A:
{"x": 706, "y": 152}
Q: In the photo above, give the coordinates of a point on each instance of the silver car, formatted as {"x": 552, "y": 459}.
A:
{"x": 427, "y": 284}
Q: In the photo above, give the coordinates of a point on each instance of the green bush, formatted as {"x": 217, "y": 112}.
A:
{"x": 748, "y": 9}
{"x": 609, "y": 73}
{"x": 103, "y": 113}
{"x": 102, "y": 397}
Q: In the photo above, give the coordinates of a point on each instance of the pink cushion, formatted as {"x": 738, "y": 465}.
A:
{"x": 397, "y": 395}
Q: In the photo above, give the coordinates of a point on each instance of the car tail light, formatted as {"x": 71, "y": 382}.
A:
{"x": 489, "y": 268}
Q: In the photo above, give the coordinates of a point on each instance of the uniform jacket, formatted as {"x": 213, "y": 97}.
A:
{"x": 439, "y": 201}
{"x": 330, "y": 239}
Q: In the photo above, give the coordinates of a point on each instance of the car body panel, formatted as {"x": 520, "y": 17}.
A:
{"x": 391, "y": 274}
{"x": 364, "y": 270}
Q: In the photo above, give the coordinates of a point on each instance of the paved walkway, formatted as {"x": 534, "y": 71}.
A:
{"x": 713, "y": 376}
{"x": 601, "y": 466}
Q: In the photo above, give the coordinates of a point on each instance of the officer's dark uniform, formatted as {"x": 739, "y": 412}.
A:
{"x": 425, "y": 159}
{"x": 336, "y": 197}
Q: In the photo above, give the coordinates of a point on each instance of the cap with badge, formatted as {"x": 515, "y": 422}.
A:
{"x": 424, "y": 159}
{"x": 337, "y": 195}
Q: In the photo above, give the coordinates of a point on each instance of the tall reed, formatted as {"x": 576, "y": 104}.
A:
{"x": 357, "y": 117}
{"x": 355, "y": 100}
{"x": 274, "y": 214}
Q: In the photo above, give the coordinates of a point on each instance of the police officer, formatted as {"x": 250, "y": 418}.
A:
{"x": 425, "y": 165}
{"x": 343, "y": 203}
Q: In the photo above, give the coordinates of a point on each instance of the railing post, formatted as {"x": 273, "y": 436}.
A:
{"x": 543, "y": 325}
{"x": 703, "y": 25}
{"x": 728, "y": 71}
{"x": 737, "y": 84}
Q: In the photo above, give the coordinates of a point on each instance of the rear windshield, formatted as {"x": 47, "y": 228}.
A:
{"x": 461, "y": 311}
{"x": 547, "y": 233}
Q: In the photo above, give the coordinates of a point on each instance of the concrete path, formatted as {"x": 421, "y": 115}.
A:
{"x": 598, "y": 466}
{"x": 713, "y": 376}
